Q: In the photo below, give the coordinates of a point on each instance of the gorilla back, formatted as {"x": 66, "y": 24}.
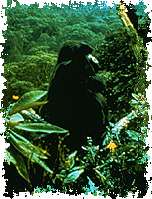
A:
{"x": 72, "y": 96}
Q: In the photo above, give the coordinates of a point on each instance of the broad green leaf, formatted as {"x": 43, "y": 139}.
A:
{"x": 27, "y": 146}
{"x": 15, "y": 119}
{"x": 19, "y": 163}
{"x": 28, "y": 100}
{"x": 74, "y": 175}
{"x": 41, "y": 128}
{"x": 30, "y": 151}
{"x": 134, "y": 135}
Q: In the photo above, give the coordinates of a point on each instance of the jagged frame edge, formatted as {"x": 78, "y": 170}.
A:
{"x": 4, "y": 145}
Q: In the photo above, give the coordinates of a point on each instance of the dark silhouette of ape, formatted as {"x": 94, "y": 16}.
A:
{"x": 75, "y": 95}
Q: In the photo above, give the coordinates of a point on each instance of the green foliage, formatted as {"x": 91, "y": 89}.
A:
{"x": 28, "y": 100}
{"x": 41, "y": 190}
{"x": 34, "y": 36}
{"x": 22, "y": 150}
{"x": 123, "y": 59}
{"x": 73, "y": 175}
{"x": 143, "y": 21}
{"x": 31, "y": 73}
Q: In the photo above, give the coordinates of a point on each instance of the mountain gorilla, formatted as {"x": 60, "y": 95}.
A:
{"x": 75, "y": 96}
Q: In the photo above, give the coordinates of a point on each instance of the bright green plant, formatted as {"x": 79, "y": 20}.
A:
{"x": 115, "y": 167}
{"x": 22, "y": 125}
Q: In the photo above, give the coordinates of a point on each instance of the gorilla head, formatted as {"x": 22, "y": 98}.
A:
{"x": 79, "y": 52}
{"x": 72, "y": 50}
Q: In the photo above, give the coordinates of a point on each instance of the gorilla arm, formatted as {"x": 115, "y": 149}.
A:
{"x": 96, "y": 84}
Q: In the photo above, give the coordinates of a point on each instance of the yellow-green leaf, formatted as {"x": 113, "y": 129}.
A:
{"x": 100, "y": 176}
{"x": 70, "y": 161}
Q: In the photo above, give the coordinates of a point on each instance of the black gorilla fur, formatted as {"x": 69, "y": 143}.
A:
{"x": 74, "y": 102}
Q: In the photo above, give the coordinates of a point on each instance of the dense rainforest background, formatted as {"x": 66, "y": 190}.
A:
{"x": 34, "y": 37}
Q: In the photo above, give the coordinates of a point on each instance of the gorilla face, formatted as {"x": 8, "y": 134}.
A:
{"x": 92, "y": 65}
{"x": 93, "y": 59}
{"x": 94, "y": 62}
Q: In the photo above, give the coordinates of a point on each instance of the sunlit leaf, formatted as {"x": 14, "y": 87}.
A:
{"x": 134, "y": 135}
{"x": 135, "y": 96}
{"x": 74, "y": 175}
{"x": 32, "y": 115}
{"x": 28, "y": 100}
{"x": 40, "y": 127}
{"x": 123, "y": 123}
{"x": 15, "y": 119}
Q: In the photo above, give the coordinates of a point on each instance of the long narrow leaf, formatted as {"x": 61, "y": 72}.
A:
{"x": 26, "y": 145}
{"x": 27, "y": 149}
{"x": 19, "y": 163}
{"x": 41, "y": 128}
